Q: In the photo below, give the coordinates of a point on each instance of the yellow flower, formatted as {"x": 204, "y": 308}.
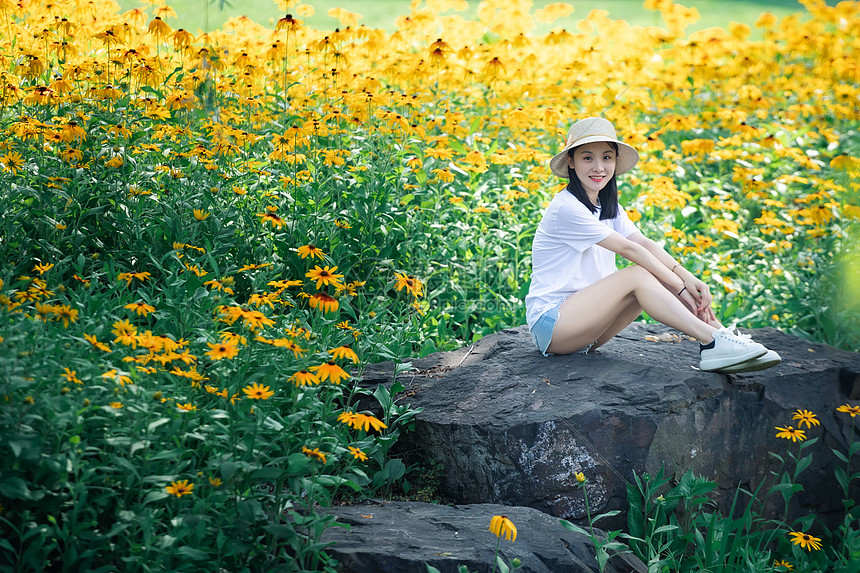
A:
{"x": 115, "y": 405}
{"x": 361, "y": 421}
{"x": 215, "y": 482}
{"x": 186, "y": 407}
{"x": 222, "y": 350}
{"x": 94, "y": 341}
{"x": 303, "y": 378}
{"x": 12, "y": 162}
{"x": 274, "y": 220}
{"x": 180, "y": 488}
{"x": 42, "y": 268}
{"x": 806, "y": 417}
{"x": 410, "y": 283}
{"x": 805, "y": 540}
{"x": 65, "y": 313}
{"x": 358, "y": 454}
{"x": 257, "y": 391}
{"x": 324, "y": 276}
{"x": 791, "y": 433}
{"x": 324, "y": 302}
{"x": 782, "y": 563}
{"x": 314, "y": 453}
{"x": 344, "y": 352}
{"x": 201, "y": 214}
{"x": 330, "y": 371}
{"x": 311, "y": 251}
{"x": 501, "y": 526}
{"x": 848, "y": 409}
{"x": 580, "y": 477}
{"x": 141, "y": 308}
{"x": 71, "y": 376}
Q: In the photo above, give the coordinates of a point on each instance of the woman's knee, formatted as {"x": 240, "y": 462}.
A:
{"x": 639, "y": 274}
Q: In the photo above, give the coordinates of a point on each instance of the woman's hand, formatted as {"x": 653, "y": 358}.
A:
{"x": 700, "y": 298}
{"x": 700, "y": 291}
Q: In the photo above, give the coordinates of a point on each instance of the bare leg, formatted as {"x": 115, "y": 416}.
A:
{"x": 628, "y": 315}
{"x": 591, "y": 313}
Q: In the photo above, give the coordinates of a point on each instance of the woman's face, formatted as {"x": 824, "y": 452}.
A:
{"x": 594, "y": 164}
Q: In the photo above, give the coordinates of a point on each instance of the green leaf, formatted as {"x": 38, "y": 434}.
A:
{"x": 192, "y": 553}
{"x": 573, "y": 527}
{"x": 15, "y": 488}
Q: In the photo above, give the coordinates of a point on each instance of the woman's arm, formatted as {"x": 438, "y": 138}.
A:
{"x": 637, "y": 253}
{"x": 660, "y": 264}
{"x": 701, "y": 292}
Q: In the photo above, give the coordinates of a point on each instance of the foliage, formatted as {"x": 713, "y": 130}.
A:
{"x": 678, "y": 529}
{"x": 204, "y": 240}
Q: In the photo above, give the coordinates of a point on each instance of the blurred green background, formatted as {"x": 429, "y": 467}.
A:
{"x": 193, "y": 14}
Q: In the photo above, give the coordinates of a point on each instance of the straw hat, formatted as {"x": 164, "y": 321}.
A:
{"x": 589, "y": 130}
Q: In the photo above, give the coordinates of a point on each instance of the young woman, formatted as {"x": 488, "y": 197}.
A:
{"x": 578, "y": 300}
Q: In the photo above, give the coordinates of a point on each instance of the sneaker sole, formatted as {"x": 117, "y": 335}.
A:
{"x": 754, "y": 365}
{"x": 714, "y": 365}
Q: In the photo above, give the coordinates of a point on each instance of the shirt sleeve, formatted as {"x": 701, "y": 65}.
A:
{"x": 622, "y": 223}
{"x": 577, "y": 227}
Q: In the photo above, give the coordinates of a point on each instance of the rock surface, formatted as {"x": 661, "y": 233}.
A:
{"x": 512, "y": 427}
{"x": 401, "y": 537}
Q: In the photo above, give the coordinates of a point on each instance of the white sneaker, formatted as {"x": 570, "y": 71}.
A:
{"x": 728, "y": 349}
{"x": 770, "y": 358}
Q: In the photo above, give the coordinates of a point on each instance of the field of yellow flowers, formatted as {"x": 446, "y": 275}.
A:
{"x": 204, "y": 239}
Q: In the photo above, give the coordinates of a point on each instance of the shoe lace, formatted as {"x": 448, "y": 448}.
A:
{"x": 742, "y": 336}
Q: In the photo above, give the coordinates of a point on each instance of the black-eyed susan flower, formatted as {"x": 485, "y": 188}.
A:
{"x": 140, "y": 308}
{"x": 359, "y": 421}
{"x": 272, "y": 219}
{"x": 222, "y": 350}
{"x": 805, "y": 540}
{"x": 849, "y": 409}
{"x": 65, "y": 314}
{"x": 42, "y": 268}
{"x": 791, "y": 433}
{"x": 806, "y": 417}
{"x": 96, "y": 344}
{"x": 502, "y": 526}
{"x": 785, "y": 565}
{"x": 117, "y": 377}
{"x": 125, "y": 333}
{"x": 180, "y": 488}
{"x": 413, "y": 285}
{"x": 311, "y": 251}
{"x": 128, "y": 277}
{"x": 357, "y": 454}
{"x": 257, "y": 391}
{"x": 314, "y": 453}
{"x": 344, "y": 352}
{"x": 324, "y": 276}
{"x": 12, "y": 162}
{"x": 187, "y": 407}
{"x": 71, "y": 376}
{"x": 330, "y": 371}
{"x": 215, "y": 481}
{"x": 304, "y": 378}
{"x": 323, "y": 302}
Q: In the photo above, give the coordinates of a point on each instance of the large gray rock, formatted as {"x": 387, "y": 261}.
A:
{"x": 401, "y": 537}
{"x": 513, "y": 427}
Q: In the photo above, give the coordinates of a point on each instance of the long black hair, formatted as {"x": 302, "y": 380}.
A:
{"x": 608, "y": 196}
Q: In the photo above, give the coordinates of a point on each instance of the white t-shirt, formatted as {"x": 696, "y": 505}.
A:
{"x": 565, "y": 255}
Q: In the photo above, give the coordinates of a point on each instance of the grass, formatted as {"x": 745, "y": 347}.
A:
{"x": 382, "y": 13}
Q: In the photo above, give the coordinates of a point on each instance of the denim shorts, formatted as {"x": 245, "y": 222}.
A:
{"x": 542, "y": 330}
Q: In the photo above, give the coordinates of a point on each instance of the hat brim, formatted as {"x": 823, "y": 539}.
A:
{"x": 627, "y": 156}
